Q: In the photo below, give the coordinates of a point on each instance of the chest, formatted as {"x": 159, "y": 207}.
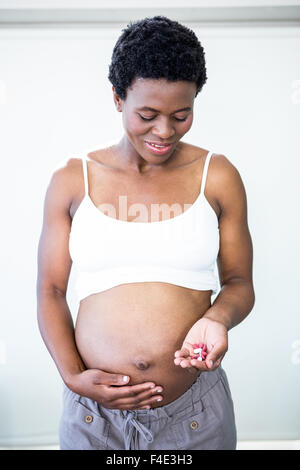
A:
{"x": 146, "y": 199}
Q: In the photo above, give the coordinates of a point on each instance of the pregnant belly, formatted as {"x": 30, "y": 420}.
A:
{"x": 135, "y": 329}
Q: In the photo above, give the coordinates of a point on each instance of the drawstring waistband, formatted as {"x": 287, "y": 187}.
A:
{"x": 134, "y": 425}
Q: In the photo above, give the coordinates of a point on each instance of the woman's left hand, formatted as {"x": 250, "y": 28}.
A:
{"x": 210, "y": 332}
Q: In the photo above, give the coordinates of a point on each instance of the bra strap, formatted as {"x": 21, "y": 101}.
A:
{"x": 207, "y": 160}
{"x": 85, "y": 175}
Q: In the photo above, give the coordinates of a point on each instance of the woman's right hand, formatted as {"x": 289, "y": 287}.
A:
{"x": 111, "y": 391}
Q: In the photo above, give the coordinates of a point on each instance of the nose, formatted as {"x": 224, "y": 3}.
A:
{"x": 163, "y": 130}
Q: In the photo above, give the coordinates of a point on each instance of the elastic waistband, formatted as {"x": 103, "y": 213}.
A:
{"x": 204, "y": 382}
{"x": 135, "y": 422}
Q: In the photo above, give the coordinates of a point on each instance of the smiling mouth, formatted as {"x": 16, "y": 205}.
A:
{"x": 158, "y": 145}
{"x": 158, "y": 149}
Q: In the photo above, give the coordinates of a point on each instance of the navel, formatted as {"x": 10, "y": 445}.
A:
{"x": 141, "y": 364}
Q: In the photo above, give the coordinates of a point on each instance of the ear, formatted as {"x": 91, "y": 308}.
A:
{"x": 117, "y": 100}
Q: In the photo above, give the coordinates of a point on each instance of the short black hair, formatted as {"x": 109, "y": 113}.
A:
{"x": 156, "y": 47}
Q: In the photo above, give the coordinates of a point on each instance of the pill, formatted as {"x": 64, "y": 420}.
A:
{"x": 195, "y": 346}
{"x": 195, "y": 357}
{"x": 201, "y": 345}
{"x": 199, "y": 358}
{"x": 198, "y": 350}
{"x": 204, "y": 347}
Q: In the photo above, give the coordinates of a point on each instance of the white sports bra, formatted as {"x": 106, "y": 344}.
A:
{"x": 107, "y": 252}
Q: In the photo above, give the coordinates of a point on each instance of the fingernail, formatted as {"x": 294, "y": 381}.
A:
{"x": 125, "y": 378}
{"x": 159, "y": 399}
{"x": 211, "y": 363}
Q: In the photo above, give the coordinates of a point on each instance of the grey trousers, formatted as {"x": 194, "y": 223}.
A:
{"x": 202, "y": 418}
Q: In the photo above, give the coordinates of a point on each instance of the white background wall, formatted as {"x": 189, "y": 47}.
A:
{"x": 55, "y": 99}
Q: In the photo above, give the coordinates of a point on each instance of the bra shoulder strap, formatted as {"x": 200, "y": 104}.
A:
{"x": 207, "y": 160}
{"x": 85, "y": 174}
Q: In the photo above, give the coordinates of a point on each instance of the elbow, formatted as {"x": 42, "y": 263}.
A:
{"x": 49, "y": 289}
{"x": 247, "y": 289}
{"x": 250, "y": 295}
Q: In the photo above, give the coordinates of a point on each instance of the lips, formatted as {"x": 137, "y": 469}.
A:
{"x": 161, "y": 150}
{"x": 158, "y": 143}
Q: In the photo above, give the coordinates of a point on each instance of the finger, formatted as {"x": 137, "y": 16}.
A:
{"x": 149, "y": 394}
{"x": 199, "y": 365}
{"x": 100, "y": 377}
{"x": 182, "y": 361}
{"x": 195, "y": 364}
{"x": 215, "y": 356}
{"x": 149, "y": 403}
{"x": 157, "y": 397}
{"x": 135, "y": 402}
{"x": 129, "y": 390}
{"x": 178, "y": 360}
{"x": 184, "y": 352}
{"x": 143, "y": 398}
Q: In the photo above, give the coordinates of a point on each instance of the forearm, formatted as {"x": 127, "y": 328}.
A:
{"x": 57, "y": 330}
{"x": 233, "y": 303}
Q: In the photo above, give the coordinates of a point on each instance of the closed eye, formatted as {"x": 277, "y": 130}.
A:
{"x": 151, "y": 119}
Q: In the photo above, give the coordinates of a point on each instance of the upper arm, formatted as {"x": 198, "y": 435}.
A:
{"x": 54, "y": 262}
{"x": 235, "y": 256}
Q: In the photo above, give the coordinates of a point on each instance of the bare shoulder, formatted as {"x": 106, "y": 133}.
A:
{"x": 224, "y": 186}
{"x": 65, "y": 182}
{"x": 226, "y": 183}
{"x": 221, "y": 168}
{"x": 221, "y": 174}
{"x": 68, "y": 166}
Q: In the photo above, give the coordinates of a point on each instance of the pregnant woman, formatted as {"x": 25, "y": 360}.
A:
{"x": 145, "y": 221}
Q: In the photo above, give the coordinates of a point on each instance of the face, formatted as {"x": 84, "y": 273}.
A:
{"x": 156, "y": 111}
